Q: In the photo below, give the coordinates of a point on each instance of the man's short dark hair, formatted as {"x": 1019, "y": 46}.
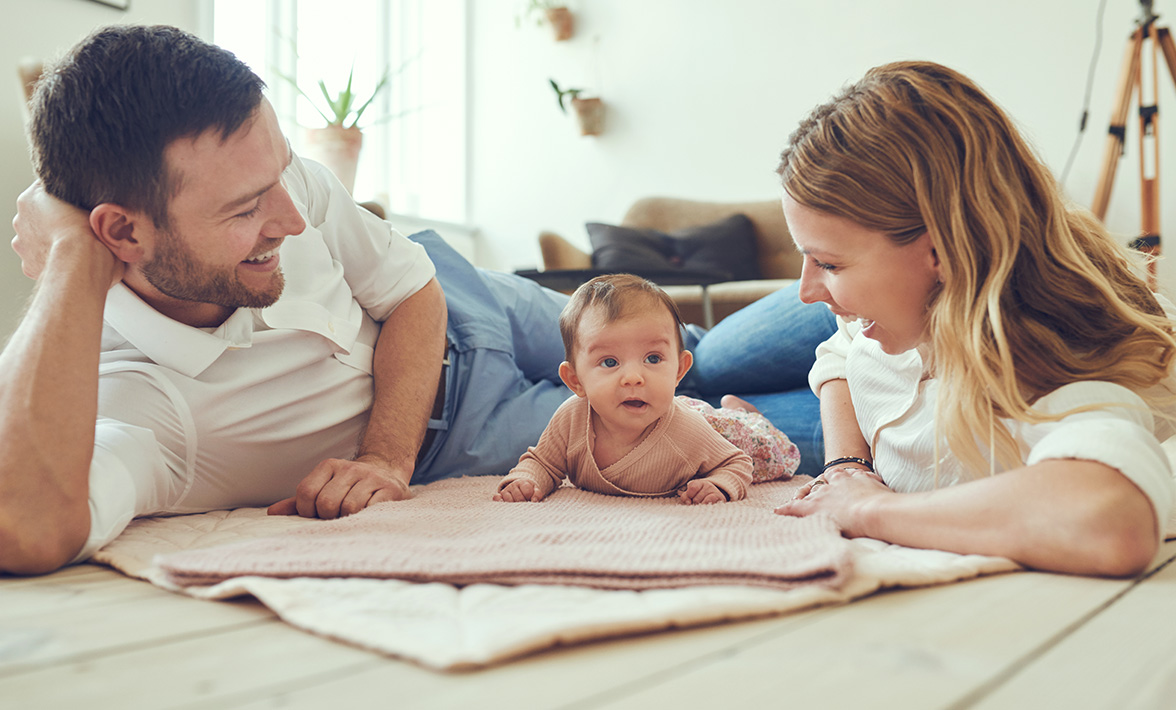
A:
{"x": 104, "y": 114}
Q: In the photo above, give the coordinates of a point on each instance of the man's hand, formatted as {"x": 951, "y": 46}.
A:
{"x": 42, "y": 221}
{"x": 337, "y": 487}
{"x": 701, "y": 491}
{"x": 519, "y": 491}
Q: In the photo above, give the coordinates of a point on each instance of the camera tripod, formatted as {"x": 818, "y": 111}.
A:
{"x": 1147, "y": 37}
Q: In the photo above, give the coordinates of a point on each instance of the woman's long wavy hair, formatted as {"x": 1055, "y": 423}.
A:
{"x": 1035, "y": 293}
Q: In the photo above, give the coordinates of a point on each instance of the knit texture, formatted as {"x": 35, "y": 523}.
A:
{"x": 681, "y": 446}
{"x": 453, "y": 532}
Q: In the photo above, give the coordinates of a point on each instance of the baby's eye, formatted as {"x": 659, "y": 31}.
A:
{"x": 609, "y": 362}
{"x": 653, "y": 359}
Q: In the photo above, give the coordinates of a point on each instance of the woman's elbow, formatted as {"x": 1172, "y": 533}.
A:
{"x": 1123, "y": 540}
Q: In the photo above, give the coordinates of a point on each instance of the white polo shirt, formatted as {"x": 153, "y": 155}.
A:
{"x": 191, "y": 420}
{"x": 895, "y": 409}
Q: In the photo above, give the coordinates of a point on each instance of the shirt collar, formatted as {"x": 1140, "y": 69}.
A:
{"x": 167, "y": 342}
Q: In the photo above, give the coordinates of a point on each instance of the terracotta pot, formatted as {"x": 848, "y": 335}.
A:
{"x": 337, "y": 148}
{"x": 562, "y": 23}
{"x": 590, "y": 113}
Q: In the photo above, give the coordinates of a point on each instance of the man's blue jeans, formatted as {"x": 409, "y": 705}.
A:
{"x": 502, "y": 384}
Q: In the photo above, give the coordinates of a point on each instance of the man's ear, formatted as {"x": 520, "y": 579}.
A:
{"x": 685, "y": 361}
{"x": 567, "y": 373}
{"x": 121, "y": 230}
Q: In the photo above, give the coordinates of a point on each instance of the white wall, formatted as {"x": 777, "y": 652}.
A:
{"x": 46, "y": 29}
{"x": 703, "y": 94}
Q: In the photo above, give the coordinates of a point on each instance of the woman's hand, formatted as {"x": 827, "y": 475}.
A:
{"x": 844, "y": 493}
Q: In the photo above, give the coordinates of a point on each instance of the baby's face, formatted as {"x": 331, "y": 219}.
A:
{"x": 628, "y": 369}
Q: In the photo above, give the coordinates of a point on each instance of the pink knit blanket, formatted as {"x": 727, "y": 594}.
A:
{"x": 453, "y": 532}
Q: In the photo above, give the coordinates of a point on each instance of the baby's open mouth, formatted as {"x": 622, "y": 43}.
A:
{"x": 634, "y": 404}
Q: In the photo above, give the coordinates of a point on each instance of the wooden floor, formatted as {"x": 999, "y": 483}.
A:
{"x": 89, "y": 638}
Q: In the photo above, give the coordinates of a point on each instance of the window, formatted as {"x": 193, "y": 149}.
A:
{"x": 414, "y": 151}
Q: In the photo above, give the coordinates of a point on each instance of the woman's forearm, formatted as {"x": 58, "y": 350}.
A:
{"x": 1071, "y": 516}
{"x": 843, "y": 436}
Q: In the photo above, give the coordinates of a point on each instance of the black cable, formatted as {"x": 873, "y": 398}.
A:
{"x": 1102, "y": 6}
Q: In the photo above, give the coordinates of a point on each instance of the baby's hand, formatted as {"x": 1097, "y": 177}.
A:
{"x": 701, "y": 490}
{"x": 518, "y": 491}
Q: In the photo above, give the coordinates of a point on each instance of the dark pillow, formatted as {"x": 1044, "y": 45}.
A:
{"x": 726, "y": 246}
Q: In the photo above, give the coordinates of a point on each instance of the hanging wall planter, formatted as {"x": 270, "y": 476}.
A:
{"x": 562, "y": 21}
{"x": 590, "y": 114}
{"x": 589, "y": 110}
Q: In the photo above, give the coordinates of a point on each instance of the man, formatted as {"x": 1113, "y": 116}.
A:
{"x": 217, "y": 324}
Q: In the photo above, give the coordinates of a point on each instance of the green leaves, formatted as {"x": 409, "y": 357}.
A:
{"x": 561, "y": 93}
{"x": 340, "y": 108}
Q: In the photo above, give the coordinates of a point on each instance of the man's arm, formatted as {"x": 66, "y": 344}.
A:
{"x": 49, "y": 386}
{"x": 406, "y": 370}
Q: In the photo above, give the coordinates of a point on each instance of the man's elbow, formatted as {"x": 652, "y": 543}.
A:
{"x": 39, "y": 549}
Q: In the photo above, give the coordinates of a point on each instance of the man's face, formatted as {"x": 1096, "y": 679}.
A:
{"x": 229, "y": 215}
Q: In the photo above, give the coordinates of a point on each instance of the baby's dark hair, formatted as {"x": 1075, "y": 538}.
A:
{"x": 617, "y": 294}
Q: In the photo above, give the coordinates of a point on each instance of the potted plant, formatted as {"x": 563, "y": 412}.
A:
{"x": 589, "y": 110}
{"x": 557, "y": 15}
{"x": 337, "y": 144}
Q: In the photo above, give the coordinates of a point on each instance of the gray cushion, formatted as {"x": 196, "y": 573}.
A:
{"x": 727, "y": 246}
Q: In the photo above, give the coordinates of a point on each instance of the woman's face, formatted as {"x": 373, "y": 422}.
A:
{"x": 860, "y": 273}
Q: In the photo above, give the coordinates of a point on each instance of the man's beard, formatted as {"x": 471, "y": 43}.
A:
{"x": 175, "y": 272}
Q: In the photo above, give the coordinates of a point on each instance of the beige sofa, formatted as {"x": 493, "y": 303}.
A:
{"x": 779, "y": 261}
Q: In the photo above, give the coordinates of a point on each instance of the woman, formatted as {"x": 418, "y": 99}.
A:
{"x": 1000, "y": 379}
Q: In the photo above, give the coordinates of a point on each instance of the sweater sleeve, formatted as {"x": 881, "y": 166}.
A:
{"x": 719, "y": 461}
{"x": 546, "y": 463}
{"x": 1118, "y": 434}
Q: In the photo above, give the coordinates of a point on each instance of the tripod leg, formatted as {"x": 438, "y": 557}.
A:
{"x": 1164, "y": 38}
{"x": 1148, "y": 241}
{"x": 1117, "y": 131}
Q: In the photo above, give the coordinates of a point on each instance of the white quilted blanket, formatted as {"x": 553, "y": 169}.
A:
{"x": 447, "y": 627}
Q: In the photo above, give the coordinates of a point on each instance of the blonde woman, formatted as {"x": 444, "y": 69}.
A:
{"x": 1000, "y": 380}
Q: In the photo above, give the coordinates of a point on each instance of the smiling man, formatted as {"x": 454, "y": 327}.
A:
{"x": 217, "y": 324}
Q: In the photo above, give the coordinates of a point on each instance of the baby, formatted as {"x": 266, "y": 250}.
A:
{"x": 624, "y": 432}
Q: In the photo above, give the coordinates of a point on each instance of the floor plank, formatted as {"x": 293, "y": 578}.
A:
{"x": 53, "y": 594}
{"x": 1125, "y": 657}
{"x": 922, "y": 648}
{"x": 139, "y": 615}
{"x": 180, "y": 672}
{"x": 73, "y": 572}
{"x": 550, "y": 679}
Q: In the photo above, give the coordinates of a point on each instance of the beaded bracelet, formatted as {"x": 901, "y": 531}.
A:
{"x": 849, "y": 459}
